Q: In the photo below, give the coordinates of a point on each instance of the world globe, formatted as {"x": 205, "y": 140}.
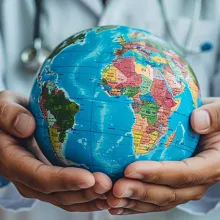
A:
{"x": 109, "y": 96}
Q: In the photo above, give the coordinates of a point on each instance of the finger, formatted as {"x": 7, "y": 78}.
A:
{"x": 209, "y": 100}
{"x": 82, "y": 196}
{"x": 34, "y": 174}
{"x": 30, "y": 193}
{"x": 102, "y": 204}
{"x": 190, "y": 172}
{"x": 14, "y": 118}
{"x": 120, "y": 211}
{"x": 60, "y": 198}
{"x": 102, "y": 183}
{"x": 159, "y": 195}
{"x": 206, "y": 119}
{"x": 84, "y": 207}
{"x": 139, "y": 208}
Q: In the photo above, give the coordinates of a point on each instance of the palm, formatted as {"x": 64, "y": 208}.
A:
{"x": 56, "y": 185}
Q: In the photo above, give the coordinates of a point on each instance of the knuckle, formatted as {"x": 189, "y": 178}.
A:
{"x": 156, "y": 179}
{"x": 173, "y": 198}
{"x": 162, "y": 208}
{"x": 186, "y": 179}
{"x": 158, "y": 208}
{"x": 63, "y": 181}
{"x": 145, "y": 194}
{"x": 42, "y": 182}
{"x": 57, "y": 199}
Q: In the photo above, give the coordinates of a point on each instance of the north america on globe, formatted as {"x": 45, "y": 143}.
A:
{"x": 112, "y": 95}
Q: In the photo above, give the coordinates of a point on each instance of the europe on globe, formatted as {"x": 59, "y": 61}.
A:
{"x": 113, "y": 95}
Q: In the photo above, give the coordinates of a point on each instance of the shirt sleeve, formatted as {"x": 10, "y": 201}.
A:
{"x": 11, "y": 199}
{"x": 209, "y": 203}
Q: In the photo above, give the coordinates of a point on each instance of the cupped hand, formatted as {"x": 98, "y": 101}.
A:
{"x": 150, "y": 186}
{"x": 72, "y": 189}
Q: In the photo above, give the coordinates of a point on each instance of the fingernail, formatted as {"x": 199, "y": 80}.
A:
{"x": 22, "y": 123}
{"x": 100, "y": 188}
{"x": 122, "y": 203}
{"x": 202, "y": 120}
{"x": 102, "y": 206}
{"x": 84, "y": 185}
{"x": 127, "y": 193}
{"x": 134, "y": 175}
{"x": 119, "y": 211}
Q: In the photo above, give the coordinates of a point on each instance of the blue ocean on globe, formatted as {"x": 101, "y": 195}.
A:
{"x": 109, "y": 96}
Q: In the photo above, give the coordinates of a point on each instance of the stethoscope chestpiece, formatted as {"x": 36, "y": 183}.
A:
{"x": 34, "y": 56}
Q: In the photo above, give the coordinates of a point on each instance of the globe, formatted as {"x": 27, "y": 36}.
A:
{"x": 109, "y": 96}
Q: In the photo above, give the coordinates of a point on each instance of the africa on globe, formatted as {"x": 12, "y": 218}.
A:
{"x": 113, "y": 95}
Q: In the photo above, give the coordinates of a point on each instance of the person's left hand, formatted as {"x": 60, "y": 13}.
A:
{"x": 150, "y": 186}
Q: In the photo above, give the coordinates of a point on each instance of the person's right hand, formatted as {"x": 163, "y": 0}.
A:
{"x": 72, "y": 189}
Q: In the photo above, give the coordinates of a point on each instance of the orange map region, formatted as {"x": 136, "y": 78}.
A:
{"x": 170, "y": 139}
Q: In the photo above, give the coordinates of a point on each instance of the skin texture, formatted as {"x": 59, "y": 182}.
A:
{"x": 148, "y": 186}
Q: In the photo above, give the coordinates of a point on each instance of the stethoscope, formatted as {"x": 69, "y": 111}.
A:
{"x": 186, "y": 49}
{"x": 33, "y": 57}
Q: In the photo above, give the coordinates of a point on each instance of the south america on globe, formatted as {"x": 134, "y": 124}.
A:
{"x": 113, "y": 95}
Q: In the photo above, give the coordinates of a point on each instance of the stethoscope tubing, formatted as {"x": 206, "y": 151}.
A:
{"x": 186, "y": 49}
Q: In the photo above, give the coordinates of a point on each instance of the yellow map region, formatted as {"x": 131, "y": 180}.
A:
{"x": 144, "y": 70}
{"x": 144, "y": 148}
{"x": 57, "y": 146}
{"x": 170, "y": 139}
{"x": 137, "y": 141}
{"x": 177, "y": 101}
{"x": 110, "y": 74}
{"x": 159, "y": 60}
{"x": 194, "y": 91}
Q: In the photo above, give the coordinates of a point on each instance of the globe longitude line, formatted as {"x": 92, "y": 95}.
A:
{"x": 91, "y": 115}
{"x": 101, "y": 66}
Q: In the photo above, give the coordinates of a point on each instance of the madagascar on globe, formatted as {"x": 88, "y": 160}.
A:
{"x": 112, "y": 95}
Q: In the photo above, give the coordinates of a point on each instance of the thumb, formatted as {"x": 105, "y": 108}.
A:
{"x": 15, "y": 119}
{"x": 206, "y": 119}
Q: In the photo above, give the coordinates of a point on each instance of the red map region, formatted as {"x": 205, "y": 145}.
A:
{"x": 161, "y": 94}
{"x": 126, "y": 66}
